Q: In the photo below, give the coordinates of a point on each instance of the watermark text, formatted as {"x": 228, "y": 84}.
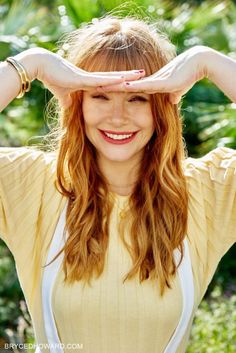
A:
{"x": 26, "y": 346}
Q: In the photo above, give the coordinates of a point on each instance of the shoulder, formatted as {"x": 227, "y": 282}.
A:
{"x": 27, "y": 152}
{"x": 218, "y": 165}
{"x": 25, "y": 155}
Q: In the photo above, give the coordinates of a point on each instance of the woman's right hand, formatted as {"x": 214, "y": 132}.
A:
{"x": 63, "y": 78}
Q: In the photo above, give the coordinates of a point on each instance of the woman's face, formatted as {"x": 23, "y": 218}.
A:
{"x": 120, "y": 114}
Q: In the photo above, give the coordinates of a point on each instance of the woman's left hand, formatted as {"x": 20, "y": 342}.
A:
{"x": 175, "y": 78}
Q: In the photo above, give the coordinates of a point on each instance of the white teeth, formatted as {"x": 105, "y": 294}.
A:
{"x": 117, "y": 137}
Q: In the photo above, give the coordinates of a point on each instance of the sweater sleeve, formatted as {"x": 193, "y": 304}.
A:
{"x": 22, "y": 178}
{"x": 212, "y": 206}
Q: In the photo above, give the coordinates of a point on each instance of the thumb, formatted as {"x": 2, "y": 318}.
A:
{"x": 65, "y": 101}
{"x": 175, "y": 98}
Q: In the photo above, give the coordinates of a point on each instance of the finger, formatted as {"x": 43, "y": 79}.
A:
{"x": 128, "y": 73}
{"x": 94, "y": 80}
{"x": 145, "y": 86}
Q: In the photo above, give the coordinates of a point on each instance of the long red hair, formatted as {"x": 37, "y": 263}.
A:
{"x": 159, "y": 201}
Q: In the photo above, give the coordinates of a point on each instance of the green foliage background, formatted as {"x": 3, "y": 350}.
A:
{"x": 209, "y": 119}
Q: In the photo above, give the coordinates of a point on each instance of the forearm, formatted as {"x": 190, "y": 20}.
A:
{"x": 10, "y": 83}
{"x": 221, "y": 70}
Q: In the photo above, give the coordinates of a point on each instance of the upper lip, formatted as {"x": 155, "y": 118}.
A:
{"x": 119, "y": 133}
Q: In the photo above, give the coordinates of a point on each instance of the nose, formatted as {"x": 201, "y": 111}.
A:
{"x": 118, "y": 115}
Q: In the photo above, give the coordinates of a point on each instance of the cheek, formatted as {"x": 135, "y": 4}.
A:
{"x": 139, "y": 109}
{"x": 93, "y": 114}
{"x": 143, "y": 117}
{"x": 149, "y": 121}
{"x": 89, "y": 113}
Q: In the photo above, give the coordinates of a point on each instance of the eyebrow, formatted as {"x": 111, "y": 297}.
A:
{"x": 125, "y": 93}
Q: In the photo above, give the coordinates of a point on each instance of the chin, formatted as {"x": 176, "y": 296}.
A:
{"x": 118, "y": 157}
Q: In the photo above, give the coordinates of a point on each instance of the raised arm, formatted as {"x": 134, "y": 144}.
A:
{"x": 58, "y": 75}
{"x": 221, "y": 70}
{"x": 10, "y": 83}
{"x": 181, "y": 73}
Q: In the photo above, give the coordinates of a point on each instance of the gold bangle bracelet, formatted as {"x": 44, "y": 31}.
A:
{"x": 25, "y": 82}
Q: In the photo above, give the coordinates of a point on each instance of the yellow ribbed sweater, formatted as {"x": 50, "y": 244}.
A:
{"x": 111, "y": 316}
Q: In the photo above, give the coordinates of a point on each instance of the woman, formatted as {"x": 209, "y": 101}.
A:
{"x": 145, "y": 225}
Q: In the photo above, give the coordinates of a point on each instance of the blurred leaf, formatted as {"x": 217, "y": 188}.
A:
{"x": 214, "y": 328}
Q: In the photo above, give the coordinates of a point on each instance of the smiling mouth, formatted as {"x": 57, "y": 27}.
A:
{"x": 118, "y": 135}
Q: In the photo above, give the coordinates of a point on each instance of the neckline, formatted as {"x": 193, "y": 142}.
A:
{"x": 120, "y": 200}
{"x": 118, "y": 196}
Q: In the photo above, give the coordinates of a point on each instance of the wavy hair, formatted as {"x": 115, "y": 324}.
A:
{"x": 157, "y": 212}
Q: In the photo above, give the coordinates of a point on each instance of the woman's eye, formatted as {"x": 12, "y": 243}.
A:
{"x": 100, "y": 96}
{"x": 138, "y": 98}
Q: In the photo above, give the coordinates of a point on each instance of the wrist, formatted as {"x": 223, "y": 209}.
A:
{"x": 31, "y": 60}
{"x": 207, "y": 58}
